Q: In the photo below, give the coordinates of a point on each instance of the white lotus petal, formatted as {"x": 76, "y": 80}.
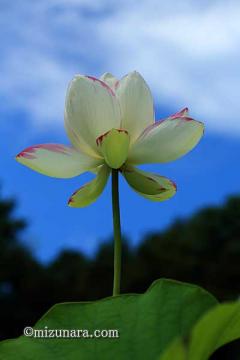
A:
{"x": 136, "y": 104}
{"x": 91, "y": 109}
{"x": 166, "y": 140}
{"x": 56, "y": 160}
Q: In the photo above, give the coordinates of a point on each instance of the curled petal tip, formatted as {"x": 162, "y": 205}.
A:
{"x": 180, "y": 114}
{"x": 70, "y": 201}
{"x": 99, "y": 139}
{"x": 27, "y": 154}
{"x": 17, "y": 158}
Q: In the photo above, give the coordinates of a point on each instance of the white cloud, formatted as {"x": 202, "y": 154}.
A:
{"x": 187, "y": 51}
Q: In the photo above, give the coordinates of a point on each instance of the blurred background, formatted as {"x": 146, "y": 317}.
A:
{"x": 188, "y": 52}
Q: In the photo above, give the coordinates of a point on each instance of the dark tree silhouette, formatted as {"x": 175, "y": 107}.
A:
{"x": 15, "y": 264}
{"x": 204, "y": 249}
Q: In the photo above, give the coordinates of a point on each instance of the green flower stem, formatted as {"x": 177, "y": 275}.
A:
{"x": 117, "y": 233}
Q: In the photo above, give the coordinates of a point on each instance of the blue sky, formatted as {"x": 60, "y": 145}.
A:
{"x": 187, "y": 52}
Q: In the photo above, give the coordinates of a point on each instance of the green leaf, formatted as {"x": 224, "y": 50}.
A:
{"x": 216, "y": 328}
{"x": 176, "y": 350}
{"x": 146, "y": 323}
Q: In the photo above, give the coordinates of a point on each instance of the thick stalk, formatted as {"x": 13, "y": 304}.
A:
{"x": 117, "y": 233}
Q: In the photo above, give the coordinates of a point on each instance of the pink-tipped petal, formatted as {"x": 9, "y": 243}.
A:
{"x": 183, "y": 112}
{"x": 166, "y": 140}
{"x": 56, "y": 160}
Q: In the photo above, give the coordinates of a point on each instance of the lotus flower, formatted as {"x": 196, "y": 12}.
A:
{"x": 111, "y": 125}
